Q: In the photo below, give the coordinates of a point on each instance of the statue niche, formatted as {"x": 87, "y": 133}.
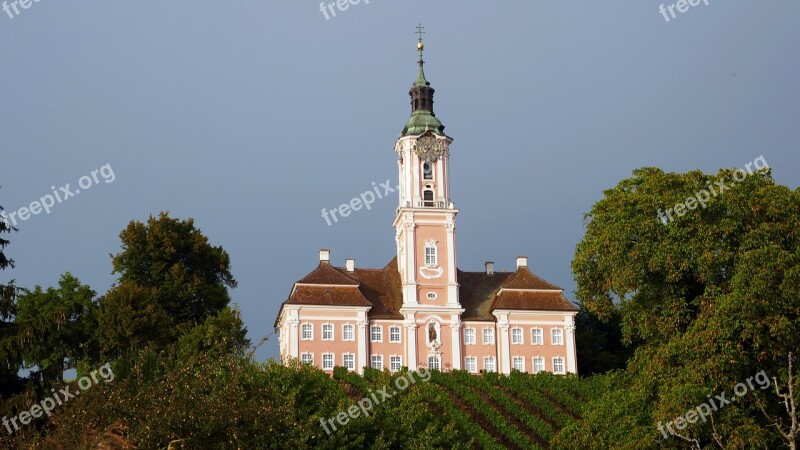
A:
{"x": 434, "y": 330}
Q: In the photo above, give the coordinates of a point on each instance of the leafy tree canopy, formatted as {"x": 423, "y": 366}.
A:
{"x": 55, "y": 326}
{"x": 709, "y": 299}
{"x": 190, "y": 277}
{"x": 171, "y": 279}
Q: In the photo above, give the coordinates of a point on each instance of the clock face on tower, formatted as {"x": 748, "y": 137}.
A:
{"x": 428, "y": 147}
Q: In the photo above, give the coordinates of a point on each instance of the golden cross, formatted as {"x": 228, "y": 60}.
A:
{"x": 420, "y": 31}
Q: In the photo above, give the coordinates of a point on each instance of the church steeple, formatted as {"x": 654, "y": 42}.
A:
{"x": 425, "y": 220}
{"x": 422, "y": 116}
{"x": 421, "y": 81}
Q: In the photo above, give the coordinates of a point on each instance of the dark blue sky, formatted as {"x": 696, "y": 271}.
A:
{"x": 252, "y": 116}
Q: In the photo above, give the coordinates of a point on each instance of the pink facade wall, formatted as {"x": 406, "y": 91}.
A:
{"x": 438, "y": 285}
{"x": 362, "y": 339}
{"x": 317, "y": 346}
{"x": 479, "y": 349}
{"x": 388, "y": 348}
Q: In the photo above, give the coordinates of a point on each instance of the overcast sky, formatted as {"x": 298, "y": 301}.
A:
{"x": 252, "y": 116}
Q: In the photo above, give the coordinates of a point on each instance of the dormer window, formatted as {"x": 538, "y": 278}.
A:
{"x": 427, "y": 170}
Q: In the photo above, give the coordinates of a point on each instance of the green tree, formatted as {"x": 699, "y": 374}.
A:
{"x": 10, "y": 358}
{"x": 599, "y": 343}
{"x": 711, "y": 298}
{"x": 170, "y": 280}
{"x": 222, "y": 334}
{"x": 129, "y": 317}
{"x": 5, "y": 227}
{"x": 191, "y": 277}
{"x": 55, "y": 326}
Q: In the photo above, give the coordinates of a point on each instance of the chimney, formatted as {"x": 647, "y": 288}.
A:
{"x": 522, "y": 261}
{"x": 350, "y": 265}
{"x": 489, "y": 268}
{"x": 324, "y": 255}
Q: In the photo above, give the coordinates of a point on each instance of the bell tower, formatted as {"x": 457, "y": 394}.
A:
{"x": 425, "y": 220}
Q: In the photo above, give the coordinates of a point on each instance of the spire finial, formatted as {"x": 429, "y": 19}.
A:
{"x": 422, "y": 116}
{"x": 421, "y": 81}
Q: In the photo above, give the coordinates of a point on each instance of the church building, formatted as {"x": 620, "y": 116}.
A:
{"x": 420, "y": 310}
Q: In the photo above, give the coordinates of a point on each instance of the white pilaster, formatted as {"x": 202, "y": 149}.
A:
{"x": 455, "y": 327}
{"x": 411, "y": 342}
{"x": 294, "y": 337}
{"x": 504, "y": 349}
{"x": 410, "y": 283}
{"x": 572, "y": 363}
{"x": 363, "y": 335}
{"x": 503, "y": 342}
{"x": 452, "y": 294}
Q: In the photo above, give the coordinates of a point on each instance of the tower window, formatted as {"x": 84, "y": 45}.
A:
{"x": 431, "y": 254}
{"x": 427, "y": 171}
{"x": 427, "y": 197}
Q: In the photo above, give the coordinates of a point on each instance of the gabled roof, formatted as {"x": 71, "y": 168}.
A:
{"x": 525, "y": 279}
{"x": 532, "y": 301}
{"x": 327, "y": 296}
{"x": 481, "y": 293}
{"x": 325, "y": 273}
{"x": 381, "y": 289}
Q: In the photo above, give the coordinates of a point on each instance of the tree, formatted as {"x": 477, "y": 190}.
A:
{"x": 10, "y": 359}
{"x": 711, "y": 297}
{"x": 171, "y": 279}
{"x": 221, "y": 334}
{"x": 5, "y": 227}
{"x": 599, "y": 343}
{"x": 129, "y": 317}
{"x": 55, "y": 326}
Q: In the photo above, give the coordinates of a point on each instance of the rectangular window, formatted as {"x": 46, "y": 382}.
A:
{"x": 433, "y": 363}
{"x": 396, "y": 363}
{"x": 394, "y": 334}
{"x": 376, "y": 334}
{"x": 431, "y": 258}
{"x": 376, "y": 362}
{"x": 488, "y": 335}
{"x": 307, "y": 358}
{"x": 537, "y": 336}
{"x": 348, "y": 333}
{"x": 327, "y": 361}
{"x": 472, "y": 364}
{"x": 558, "y": 365}
{"x": 469, "y": 336}
{"x": 518, "y": 363}
{"x": 558, "y": 336}
{"x": 307, "y": 332}
{"x": 349, "y": 361}
{"x": 538, "y": 364}
{"x": 327, "y": 332}
{"x": 488, "y": 364}
{"x": 516, "y": 335}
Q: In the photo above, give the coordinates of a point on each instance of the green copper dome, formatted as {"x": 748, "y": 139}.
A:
{"x": 422, "y": 117}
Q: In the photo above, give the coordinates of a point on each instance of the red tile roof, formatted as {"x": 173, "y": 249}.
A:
{"x": 533, "y": 301}
{"x": 479, "y": 293}
{"x": 524, "y": 279}
{"x": 328, "y": 296}
{"x": 325, "y": 273}
{"x": 382, "y": 287}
